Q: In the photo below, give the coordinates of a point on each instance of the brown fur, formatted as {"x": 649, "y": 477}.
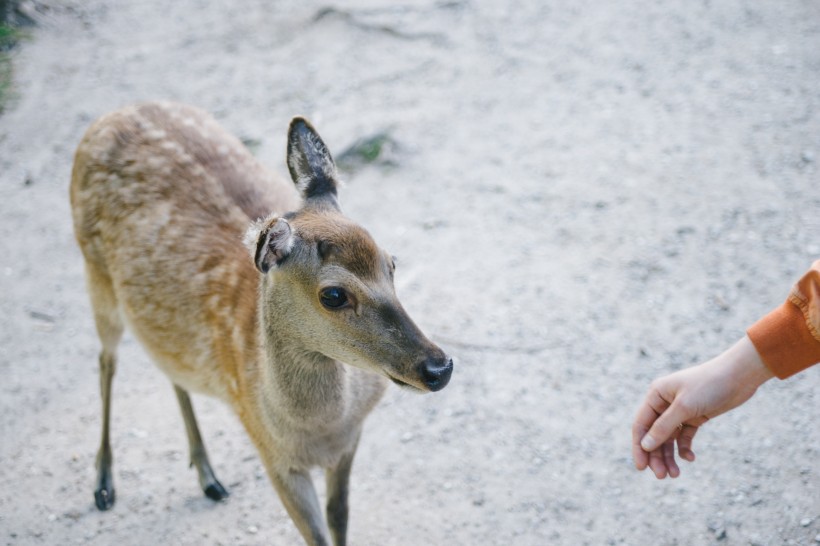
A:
{"x": 161, "y": 197}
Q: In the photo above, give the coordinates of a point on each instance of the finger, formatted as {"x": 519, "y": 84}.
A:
{"x": 657, "y": 463}
{"x": 668, "y": 450}
{"x": 639, "y": 456}
{"x": 639, "y": 429}
{"x": 665, "y": 426}
{"x": 687, "y": 434}
{"x": 653, "y": 406}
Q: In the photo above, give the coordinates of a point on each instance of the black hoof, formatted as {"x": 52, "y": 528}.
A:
{"x": 104, "y": 499}
{"x": 215, "y": 491}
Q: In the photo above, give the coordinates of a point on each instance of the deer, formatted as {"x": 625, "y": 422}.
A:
{"x": 247, "y": 288}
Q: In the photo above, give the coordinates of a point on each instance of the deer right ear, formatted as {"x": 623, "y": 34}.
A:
{"x": 270, "y": 241}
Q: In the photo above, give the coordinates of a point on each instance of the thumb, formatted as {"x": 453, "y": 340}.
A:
{"x": 664, "y": 427}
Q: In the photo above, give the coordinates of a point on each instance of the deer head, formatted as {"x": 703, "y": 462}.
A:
{"x": 329, "y": 285}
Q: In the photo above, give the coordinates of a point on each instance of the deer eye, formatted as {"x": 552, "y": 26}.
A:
{"x": 333, "y": 297}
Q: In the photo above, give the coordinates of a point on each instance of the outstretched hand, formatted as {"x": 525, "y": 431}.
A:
{"x": 678, "y": 404}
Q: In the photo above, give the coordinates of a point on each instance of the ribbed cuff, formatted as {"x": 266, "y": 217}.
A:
{"x": 784, "y": 342}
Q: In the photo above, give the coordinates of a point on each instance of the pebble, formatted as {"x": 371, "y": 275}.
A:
{"x": 253, "y": 529}
{"x": 805, "y": 522}
{"x": 137, "y": 433}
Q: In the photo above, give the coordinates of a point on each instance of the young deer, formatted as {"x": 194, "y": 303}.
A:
{"x": 298, "y": 337}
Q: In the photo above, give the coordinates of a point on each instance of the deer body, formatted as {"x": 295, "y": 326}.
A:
{"x": 298, "y": 330}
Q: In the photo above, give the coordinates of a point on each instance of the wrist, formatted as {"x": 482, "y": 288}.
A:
{"x": 746, "y": 365}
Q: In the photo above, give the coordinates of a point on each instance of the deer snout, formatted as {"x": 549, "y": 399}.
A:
{"x": 436, "y": 372}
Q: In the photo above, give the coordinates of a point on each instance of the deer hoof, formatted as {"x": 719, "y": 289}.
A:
{"x": 104, "y": 498}
{"x": 215, "y": 491}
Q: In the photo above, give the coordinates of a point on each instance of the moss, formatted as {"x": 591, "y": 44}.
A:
{"x": 9, "y": 36}
{"x": 378, "y": 148}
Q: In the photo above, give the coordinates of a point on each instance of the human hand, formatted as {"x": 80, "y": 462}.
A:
{"x": 678, "y": 404}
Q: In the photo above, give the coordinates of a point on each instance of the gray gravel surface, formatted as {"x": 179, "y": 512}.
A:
{"x": 582, "y": 196}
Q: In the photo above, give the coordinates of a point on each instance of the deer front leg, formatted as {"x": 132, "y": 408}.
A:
{"x": 296, "y": 490}
{"x": 199, "y": 457}
{"x": 338, "y": 479}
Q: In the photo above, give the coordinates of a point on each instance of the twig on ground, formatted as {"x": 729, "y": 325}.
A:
{"x": 350, "y": 18}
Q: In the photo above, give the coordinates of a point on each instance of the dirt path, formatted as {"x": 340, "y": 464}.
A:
{"x": 581, "y": 198}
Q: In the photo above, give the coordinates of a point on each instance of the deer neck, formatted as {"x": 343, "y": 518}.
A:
{"x": 298, "y": 387}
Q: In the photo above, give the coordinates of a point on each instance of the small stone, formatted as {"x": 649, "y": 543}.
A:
{"x": 253, "y": 529}
{"x": 137, "y": 433}
{"x": 433, "y": 224}
{"x": 52, "y": 517}
{"x": 720, "y": 534}
{"x": 72, "y": 514}
{"x": 817, "y": 538}
{"x": 722, "y": 304}
{"x": 406, "y": 437}
{"x": 805, "y": 522}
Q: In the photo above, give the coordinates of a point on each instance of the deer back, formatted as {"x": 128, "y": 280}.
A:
{"x": 161, "y": 196}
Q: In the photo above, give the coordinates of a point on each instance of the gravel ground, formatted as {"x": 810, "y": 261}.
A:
{"x": 581, "y": 196}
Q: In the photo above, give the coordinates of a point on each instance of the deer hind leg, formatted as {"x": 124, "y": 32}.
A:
{"x": 109, "y": 328}
{"x": 199, "y": 457}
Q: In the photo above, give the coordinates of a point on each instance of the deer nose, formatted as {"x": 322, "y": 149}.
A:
{"x": 436, "y": 372}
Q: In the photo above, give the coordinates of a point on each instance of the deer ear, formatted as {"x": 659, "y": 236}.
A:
{"x": 269, "y": 241}
{"x": 310, "y": 163}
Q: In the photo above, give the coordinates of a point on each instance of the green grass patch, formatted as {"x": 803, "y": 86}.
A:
{"x": 378, "y": 148}
{"x": 9, "y": 36}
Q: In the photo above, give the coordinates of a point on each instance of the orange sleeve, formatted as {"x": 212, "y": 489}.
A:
{"x": 788, "y": 338}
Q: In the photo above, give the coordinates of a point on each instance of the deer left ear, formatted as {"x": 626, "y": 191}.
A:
{"x": 270, "y": 242}
{"x": 310, "y": 163}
